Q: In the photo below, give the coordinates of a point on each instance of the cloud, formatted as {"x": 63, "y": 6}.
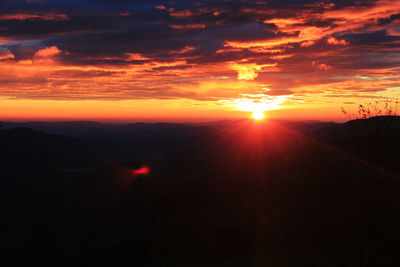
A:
{"x": 203, "y": 50}
{"x": 250, "y": 71}
{"x": 334, "y": 41}
{"x": 247, "y": 71}
{"x": 33, "y": 16}
{"x": 161, "y": 7}
{"x": 324, "y": 67}
{"x": 6, "y": 54}
{"x": 48, "y": 52}
{"x": 307, "y": 43}
{"x": 394, "y": 30}
{"x": 180, "y": 14}
{"x": 188, "y": 26}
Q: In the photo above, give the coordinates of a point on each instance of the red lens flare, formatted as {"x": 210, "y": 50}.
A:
{"x": 143, "y": 170}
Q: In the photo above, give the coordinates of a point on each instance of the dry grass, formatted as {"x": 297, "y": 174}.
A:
{"x": 373, "y": 109}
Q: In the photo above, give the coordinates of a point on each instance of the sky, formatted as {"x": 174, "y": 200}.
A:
{"x": 131, "y": 60}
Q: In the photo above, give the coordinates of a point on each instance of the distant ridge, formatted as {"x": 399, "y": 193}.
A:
{"x": 22, "y": 136}
{"x": 394, "y": 120}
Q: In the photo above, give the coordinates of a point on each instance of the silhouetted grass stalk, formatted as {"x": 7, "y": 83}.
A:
{"x": 370, "y": 126}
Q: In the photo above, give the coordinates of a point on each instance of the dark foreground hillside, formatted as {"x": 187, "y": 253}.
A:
{"x": 225, "y": 194}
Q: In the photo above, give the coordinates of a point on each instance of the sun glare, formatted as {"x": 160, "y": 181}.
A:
{"x": 258, "y": 115}
{"x": 258, "y": 104}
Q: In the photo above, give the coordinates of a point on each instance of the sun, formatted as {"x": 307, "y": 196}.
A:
{"x": 258, "y": 115}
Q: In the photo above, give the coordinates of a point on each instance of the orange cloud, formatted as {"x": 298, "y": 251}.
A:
{"x": 25, "y": 16}
{"x": 247, "y": 71}
{"x": 189, "y": 26}
{"x": 351, "y": 18}
{"x": 226, "y": 62}
{"x": 306, "y": 34}
{"x": 311, "y": 33}
{"x": 334, "y": 41}
{"x": 355, "y": 17}
{"x": 197, "y": 86}
{"x": 307, "y": 43}
{"x": 324, "y": 67}
{"x": 136, "y": 56}
{"x": 250, "y": 71}
{"x": 381, "y": 9}
{"x": 185, "y": 50}
{"x": 161, "y": 7}
{"x": 395, "y": 29}
{"x": 278, "y": 57}
{"x": 6, "y": 54}
{"x": 283, "y": 23}
{"x": 48, "y": 52}
{"x": 181, "y": 14}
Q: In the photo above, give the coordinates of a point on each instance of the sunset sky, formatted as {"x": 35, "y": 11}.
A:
{"x": 131, "y": 60}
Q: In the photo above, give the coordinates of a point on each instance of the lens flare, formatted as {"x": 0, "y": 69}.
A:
{"x": 142, "y": 171}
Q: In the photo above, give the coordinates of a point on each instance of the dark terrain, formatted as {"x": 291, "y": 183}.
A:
{"x": 229, "y": 193}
